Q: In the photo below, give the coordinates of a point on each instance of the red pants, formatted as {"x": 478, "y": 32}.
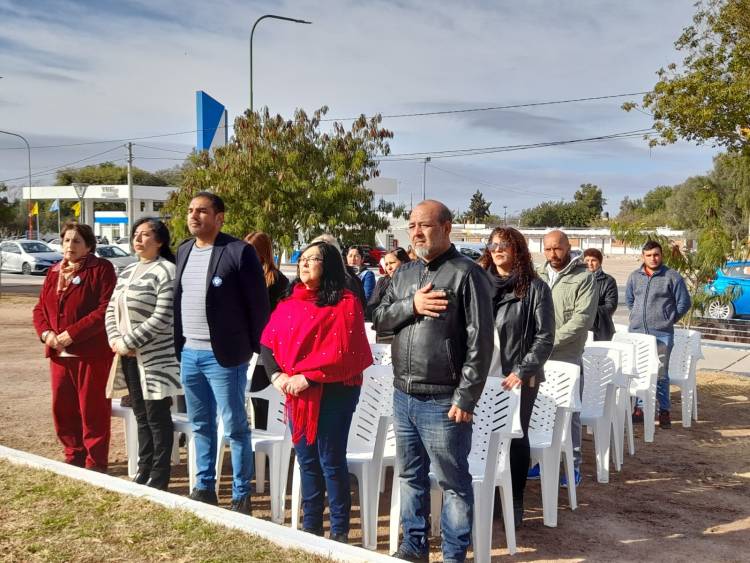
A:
{"x": 81, "y": 411}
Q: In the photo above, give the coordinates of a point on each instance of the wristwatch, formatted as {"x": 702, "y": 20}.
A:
{"x": 44, "y": 336}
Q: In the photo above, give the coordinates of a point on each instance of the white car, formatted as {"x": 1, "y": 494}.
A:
{"x": 116, "y": 255}
{"x": 27, "y": 256}
{"x": 471, "y": 250}
{"x": 55, "y": 244}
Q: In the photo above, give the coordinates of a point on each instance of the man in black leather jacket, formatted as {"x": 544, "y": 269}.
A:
{"x": 440, "y": 310}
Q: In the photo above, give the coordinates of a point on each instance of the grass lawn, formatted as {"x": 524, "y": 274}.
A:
{"x": 46, "y": 517}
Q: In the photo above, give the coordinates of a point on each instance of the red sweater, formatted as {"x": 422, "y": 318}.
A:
{"x": 79, "y": 310}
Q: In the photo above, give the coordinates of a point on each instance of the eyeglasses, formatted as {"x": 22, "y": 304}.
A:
{"x": 306, "y": 260}
{"x": 497, "y": 246}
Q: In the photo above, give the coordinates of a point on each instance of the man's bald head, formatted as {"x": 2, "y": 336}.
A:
{"x": 557, "y": 249}
{"x": 429, "y": 229}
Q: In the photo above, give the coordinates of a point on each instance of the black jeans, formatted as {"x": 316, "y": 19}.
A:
{"x": 155, "y": 429}
{"x": 520, "y": 453}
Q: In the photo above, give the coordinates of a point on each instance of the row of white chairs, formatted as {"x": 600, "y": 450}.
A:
{"x": 615, "y": 372}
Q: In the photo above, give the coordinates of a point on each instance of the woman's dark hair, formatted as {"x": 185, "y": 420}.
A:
{"x": 333, "y": 282}
{"x": 523, "y": 265}
{"x": 261, "y": 242}
{"x": 162, "y": 235}
{"x": 594, "y": 253}
{"x": 400, "y": 255}
{"x": 87, "y": 234}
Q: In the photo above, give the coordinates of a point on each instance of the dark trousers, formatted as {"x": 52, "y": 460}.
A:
{"x": 323, "y": 464}
{"x": 81, "y": 411}
{"x": 155, "y": 429}
{"x": 520, "y": 453}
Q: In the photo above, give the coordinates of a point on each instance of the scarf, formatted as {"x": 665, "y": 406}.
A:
{"x": 67, "y": 271}
{"x": 503, "y": 286}
{"x": 326, "y": 344}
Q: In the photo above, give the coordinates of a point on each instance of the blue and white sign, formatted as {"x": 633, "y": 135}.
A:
{"x": 212, "y": 122}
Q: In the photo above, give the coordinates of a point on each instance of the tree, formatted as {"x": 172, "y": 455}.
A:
{"x": 289, "y": 179}
{"x": 479, "y": 209}
{"x": 649, "y": 211}
{"x": 706, "y": 99}
{"x": 8, "y": 210}
{"x": 585, "y": 209}
{"x": 107, "y": 173}
{"x": 388, "y": 207}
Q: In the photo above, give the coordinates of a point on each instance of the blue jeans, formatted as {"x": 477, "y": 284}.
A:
{"x": 664, "y": 344}
{"x": 209, "y": 386}
{"x": 424, "y": 435}
{"x": 323, "y": 464}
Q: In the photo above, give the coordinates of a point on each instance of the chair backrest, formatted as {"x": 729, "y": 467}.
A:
{"x": 627, "y": 358}
{"x": 646, "y": 358}
{"x": 375, "y": 400}
{"x": 561, "y": 381}
{"x": 370, "y": 332}
{"x": 601, "y": 368}
{"x": 542, "y": 422}
{"x": 619, "y": 327}
{"x": 694, "y": 338}
{"x": 497, "y": 410}
{"x": 276, "y": 408}
{"x": 381, "y": 354}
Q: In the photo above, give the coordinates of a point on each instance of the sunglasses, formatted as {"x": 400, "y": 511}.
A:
{"x": 497, "y": 246}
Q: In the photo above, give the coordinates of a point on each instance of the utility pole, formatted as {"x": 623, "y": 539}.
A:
{"x": 130, "y": 190}
{"x": 505, "y": 215}
{"x": 424, "y": 178}
{"x": 28, "y": 151}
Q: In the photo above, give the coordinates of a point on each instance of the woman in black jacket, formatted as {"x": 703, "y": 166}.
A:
{"x": 606, "y": 287}
{"x": 391, "y": 262}
{"x": 525, "y": 325}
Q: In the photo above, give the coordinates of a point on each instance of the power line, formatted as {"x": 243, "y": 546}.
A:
{"x": 61, "y": 166}
{"x": 492, "y": 186}
{"x": 492, "y": 108}
{"x": 159, "y": 148}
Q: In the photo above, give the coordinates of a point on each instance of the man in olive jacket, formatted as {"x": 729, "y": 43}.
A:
{"x": 439, "y": 309}
{"x": 575, "y": 300}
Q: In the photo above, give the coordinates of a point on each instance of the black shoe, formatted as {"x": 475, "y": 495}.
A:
{"x": 142, "y": 477}
{"x": 160, "y": 484}
{"x": 204, "y": 495}
{"x": 665, "y": 420}
{"x": 518, "y": 516}
{"x": 400, "y": 554}
{"x": 341, "y": 538}
{"x": 314, "y": 532}
{"x": 243, "y": 505}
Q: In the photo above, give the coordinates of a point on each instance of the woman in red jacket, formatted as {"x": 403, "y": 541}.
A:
{"x": 69, "y": 319}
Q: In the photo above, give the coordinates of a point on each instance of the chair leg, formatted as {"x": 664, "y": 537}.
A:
{"x": 629, "y": 429}
{"x": 274, "y": 483}
{"x": 192, "y": 461}
{"x": 296, "y": 496}
{"x": 365, "y": 507}
{"x": 260, "y": 472}
{"x": 686, "y": 400}
{"x": 549, "y": 476}
{"x": 695, "y": 401}
{"x": 436, "y": 506}
{"x": 131, "y": 443}
{"x": 481, "y": 532}
{"x": 395, "y": 516}
{"x": 506, "y": 498}
{"x": 601, "y": 447}
{"x": 570, "y": 473}
{"x": 649, "y": 411}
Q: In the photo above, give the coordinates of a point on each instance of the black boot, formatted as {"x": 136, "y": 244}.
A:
{"x": 142, "y": 477}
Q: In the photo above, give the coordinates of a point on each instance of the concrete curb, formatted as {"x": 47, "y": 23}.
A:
{"x": 279, "y": 535}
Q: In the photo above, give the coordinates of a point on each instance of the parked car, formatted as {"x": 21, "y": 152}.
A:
{"x": 123, "y": 243}
{"x": 55, "y": 244}
{"x": 114, "y": 254}
{"x": 27, "y": 256}
{"x": 471, "y": 250}
{"x": 732, "y": 274}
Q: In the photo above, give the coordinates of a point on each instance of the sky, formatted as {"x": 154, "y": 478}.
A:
{"x": 94, "y": 74}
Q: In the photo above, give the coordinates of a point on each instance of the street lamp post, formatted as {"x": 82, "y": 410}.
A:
{"x": 252, "y": 32}
{"x": 505, "y": 217}
{"x": 28, "y": 150}
{"x": 424, "y": 178}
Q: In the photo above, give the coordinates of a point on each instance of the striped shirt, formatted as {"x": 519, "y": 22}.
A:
{"x": 194, "y": 322}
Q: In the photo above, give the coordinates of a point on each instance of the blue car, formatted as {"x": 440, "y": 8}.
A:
{"x": 731, "y": 274}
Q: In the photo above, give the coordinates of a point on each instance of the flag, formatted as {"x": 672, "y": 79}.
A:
{"x": 76, "y": 207}
{"x": 55, "y": 205}
{"x": 35, "y": 209}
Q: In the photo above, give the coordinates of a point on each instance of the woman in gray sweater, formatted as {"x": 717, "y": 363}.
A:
{"x": 139, "y": 329}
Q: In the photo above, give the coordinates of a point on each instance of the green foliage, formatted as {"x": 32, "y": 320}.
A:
{"x": 289, "y": 179}
{"x": 479, "y": 209}
{"x": 585, "y": 209}
{"x": 649, "y": 211}
{"x": 107, "y": 173}
{"x": 706, "y": 98}
{"x": 398, "y": 211}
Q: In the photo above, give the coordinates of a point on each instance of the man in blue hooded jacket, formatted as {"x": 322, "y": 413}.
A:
{"x": 657, "y": 298}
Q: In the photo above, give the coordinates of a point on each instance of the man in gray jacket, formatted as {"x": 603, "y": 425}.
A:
{"x": 575, "y": 300}
{"x": 439, "y": 309}
{"x": 657, "y": 298}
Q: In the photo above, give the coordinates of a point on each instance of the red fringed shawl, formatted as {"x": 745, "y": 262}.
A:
{"x": 325, "y": 344}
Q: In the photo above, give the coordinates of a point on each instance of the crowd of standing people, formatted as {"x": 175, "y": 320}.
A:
{"x": 187, "y": 325}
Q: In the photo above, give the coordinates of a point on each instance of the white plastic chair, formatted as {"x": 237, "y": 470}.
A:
{"x": 682, "y": 367}
{"x": 549, "y": 433}
{"x": 131, "y": 434}
{"x": 275, "y": 444}
{"x": 622, "y": 423}
{"x": 646, "y": 368}
{"x": 497, "y": 421}
{"x": 182, "y": 425}
{"x": 364, "y": 452}
{"x": 381, "y": 354}
{"x": 601, "y": 368}
{"x": 371, "y": 333}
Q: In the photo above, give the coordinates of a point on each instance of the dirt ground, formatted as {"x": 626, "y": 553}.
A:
{"x": 684, "y": 497}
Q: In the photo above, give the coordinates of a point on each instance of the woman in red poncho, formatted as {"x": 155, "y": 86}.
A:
{"x": 315, "y": 349}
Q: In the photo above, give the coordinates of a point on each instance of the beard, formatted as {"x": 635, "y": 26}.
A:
{"x": 422, "y": 252}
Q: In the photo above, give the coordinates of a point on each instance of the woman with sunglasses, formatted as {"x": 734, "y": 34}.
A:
{"x": 525, "y": 325}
